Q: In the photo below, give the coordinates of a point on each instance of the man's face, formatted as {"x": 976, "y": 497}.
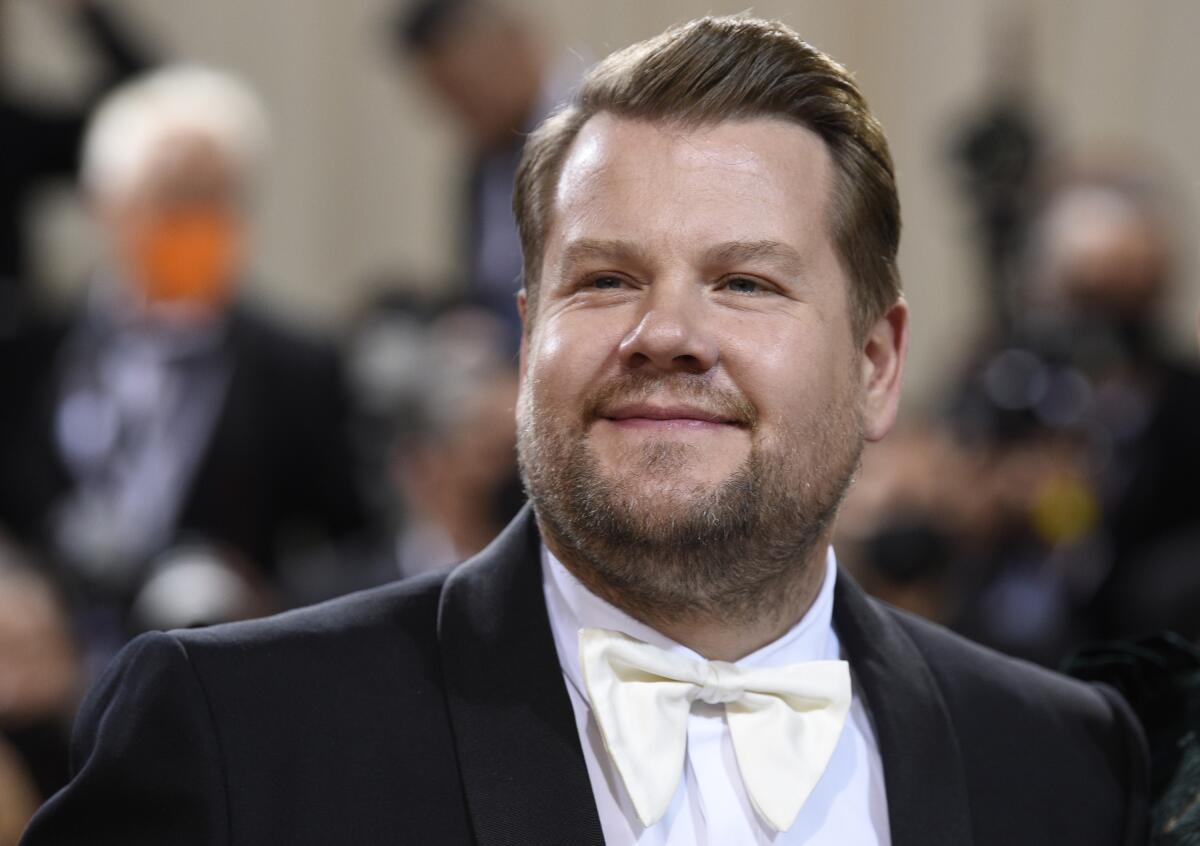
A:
{"x": 692, "y": 388}
{"x": 177, "y": 234}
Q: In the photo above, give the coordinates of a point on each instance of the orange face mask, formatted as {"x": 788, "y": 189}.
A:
{"x": 187, "y": 256}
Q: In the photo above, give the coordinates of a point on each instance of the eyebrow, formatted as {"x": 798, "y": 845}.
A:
{"x": 731, "y": 253}
{"x": 725, "y": 255}
{"x": 594, "y": 249}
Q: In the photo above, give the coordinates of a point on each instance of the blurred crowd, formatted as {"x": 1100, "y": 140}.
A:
{"x": 172, "y": 454}
{"x": 1049, "y": 502}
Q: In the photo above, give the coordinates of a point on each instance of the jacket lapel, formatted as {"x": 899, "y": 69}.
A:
{"x": 522, "y": 765}
{"x": 922, "y": 764}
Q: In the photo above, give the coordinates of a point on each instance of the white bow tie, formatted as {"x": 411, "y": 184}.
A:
{"x": 784, "y": 721}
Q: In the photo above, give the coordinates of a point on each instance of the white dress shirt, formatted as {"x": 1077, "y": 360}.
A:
{"x": 848, "y": 807}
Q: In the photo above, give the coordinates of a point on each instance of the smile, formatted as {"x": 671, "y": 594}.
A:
{"x": 668, "y": 418}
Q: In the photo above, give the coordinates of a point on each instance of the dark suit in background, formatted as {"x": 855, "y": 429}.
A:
{"x": 435, "y": 712}
{"x": 274, "y": 463}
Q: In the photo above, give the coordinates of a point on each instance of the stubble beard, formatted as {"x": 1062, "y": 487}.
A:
{"x": 668, "y": 551}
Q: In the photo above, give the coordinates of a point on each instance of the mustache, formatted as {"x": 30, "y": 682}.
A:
{"x": 693, "y": 389}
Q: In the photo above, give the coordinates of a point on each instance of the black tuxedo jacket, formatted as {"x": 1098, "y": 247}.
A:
{"x": 434, "y": 711}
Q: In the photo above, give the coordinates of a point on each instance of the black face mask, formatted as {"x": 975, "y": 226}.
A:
{"x": 907, "y": 550}
{"x": 1092, "y": 340}
{"x": 1100, "y": 340}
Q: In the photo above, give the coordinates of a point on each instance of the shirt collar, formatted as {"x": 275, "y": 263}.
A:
{"x": 571, "y": 607}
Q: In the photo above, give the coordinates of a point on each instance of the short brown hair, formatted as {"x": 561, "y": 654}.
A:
{"x": 730, "y": 68}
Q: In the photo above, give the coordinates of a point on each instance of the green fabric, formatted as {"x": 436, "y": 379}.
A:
{"x": 1160, "y": 677}
{"x": 1176, "y": 817}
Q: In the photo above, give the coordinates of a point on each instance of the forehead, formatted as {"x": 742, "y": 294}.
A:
{"x": 185, "y": 162}
{"x": 762, "y": 178}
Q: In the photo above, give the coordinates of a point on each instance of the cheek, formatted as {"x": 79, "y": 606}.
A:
{"x": 545, "y": 364}
{"x": 570, "y": 352}
{"x": 557, "y": 366}
{"x": 790, "y": 371}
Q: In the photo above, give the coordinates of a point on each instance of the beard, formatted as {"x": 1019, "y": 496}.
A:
{"x": 665, "y": 549}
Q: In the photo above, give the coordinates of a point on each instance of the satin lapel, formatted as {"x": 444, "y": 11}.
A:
{"x": 922, "y": 764}
{"x": 522, "y": 766}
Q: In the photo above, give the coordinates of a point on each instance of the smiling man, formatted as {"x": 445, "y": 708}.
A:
{"x": 696, "y": 396}
{"x": 661, "y": 649}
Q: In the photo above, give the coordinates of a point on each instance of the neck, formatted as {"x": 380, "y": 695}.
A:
{"x": 718, "y": 641}
{"x": 714, "y": 635}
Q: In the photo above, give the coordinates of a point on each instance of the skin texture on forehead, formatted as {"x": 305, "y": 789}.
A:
{"x": 593, "y": 149}
{"x": 186, "y": 167}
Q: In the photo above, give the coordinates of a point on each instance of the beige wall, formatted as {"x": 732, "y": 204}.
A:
{"x": 364, "y": 173}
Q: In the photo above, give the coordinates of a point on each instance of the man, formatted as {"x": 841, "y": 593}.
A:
{"x": 167, "y": 412}
{"x": 662, "y": 649}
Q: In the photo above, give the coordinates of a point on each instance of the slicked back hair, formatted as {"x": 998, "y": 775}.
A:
{"x": 717, "y": 69}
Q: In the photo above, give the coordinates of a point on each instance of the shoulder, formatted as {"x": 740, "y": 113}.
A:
{"x": 967, "y": 671}
{"x": 353, "y": 661}
{"x": 397, "y": 617}
{"x": 336, "y": 669}
{"x": 338, "y": 707}
{"x": 1035, "y": 744}
{"x": 387, "y": 633}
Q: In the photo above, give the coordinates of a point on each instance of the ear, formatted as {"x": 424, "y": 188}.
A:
{"x": 522, "y": 310}
{"x": 882, "y": 370}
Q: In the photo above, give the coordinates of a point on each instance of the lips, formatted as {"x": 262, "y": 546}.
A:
{"x": 650, "y": 414}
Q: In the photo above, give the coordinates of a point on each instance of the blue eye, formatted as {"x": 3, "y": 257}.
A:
{"x": 744, "y": 285}
{"x": 606, "y": 283}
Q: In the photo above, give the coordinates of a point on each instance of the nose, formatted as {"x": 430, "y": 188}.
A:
{"x": 671, "y": 334}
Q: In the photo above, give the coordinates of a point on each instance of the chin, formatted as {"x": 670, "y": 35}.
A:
{"x": 668, "y": 464}
{"x": 658, "y": 491}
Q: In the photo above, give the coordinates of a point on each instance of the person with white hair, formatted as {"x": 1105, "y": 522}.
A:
{"x": 175, "y": 414}
{"x": 167, "y": 165}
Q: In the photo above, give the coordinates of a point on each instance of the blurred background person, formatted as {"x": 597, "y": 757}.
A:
{"x": 901, "y": 531}
{"x": 1105, "y": 260}
{"x": 166, "y": 412}
{"x": 437, "y": 386}
{"x": 1084, "y": 423}
{"x": 487, "y": 64}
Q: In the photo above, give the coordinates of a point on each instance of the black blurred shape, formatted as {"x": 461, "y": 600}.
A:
{"x": 419, "y": 24}
{"x": 998, "y": 155}
{"x": 41, "y": 141}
